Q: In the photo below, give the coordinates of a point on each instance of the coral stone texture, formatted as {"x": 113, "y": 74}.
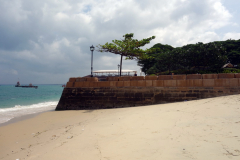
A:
{"x": 119, "y": 92}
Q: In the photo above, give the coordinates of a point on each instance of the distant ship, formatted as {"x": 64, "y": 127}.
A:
{"x": 29, "y": 86}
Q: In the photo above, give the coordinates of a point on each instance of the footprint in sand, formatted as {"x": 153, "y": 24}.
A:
{"x": 69, "y": 137}
{"x": 237, "y": 151}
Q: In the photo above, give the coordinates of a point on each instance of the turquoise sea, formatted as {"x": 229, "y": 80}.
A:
{"x": 18, "y": 101}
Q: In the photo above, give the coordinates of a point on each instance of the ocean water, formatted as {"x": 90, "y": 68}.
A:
{"x": 18, "y": 101}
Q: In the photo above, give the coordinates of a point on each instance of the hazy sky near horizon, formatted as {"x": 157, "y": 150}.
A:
{"x": 47, "y": 41}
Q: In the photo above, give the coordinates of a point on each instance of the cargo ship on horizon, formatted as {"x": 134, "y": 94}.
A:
{"x": 29, "y": 86}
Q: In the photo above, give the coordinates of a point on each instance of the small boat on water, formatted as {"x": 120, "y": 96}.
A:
{"x": 29, "y": 86}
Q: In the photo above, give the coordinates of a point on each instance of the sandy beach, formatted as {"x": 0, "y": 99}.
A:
{"x": 200, "y": 129}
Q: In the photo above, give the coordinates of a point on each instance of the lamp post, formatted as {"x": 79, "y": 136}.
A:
{"x": 92, "y": 49}
{"x": 118, "y": 69}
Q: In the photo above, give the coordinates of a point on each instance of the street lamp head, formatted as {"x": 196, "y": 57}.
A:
{"x": 92, "y": 48}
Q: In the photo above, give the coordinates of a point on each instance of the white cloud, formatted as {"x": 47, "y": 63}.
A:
{"x": 26, "y": 55}
{"x": 235, "y": 36}
{"x": 61, "y": 16}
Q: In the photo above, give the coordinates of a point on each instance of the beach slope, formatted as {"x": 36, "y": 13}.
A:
{"x": 199, "y": 129}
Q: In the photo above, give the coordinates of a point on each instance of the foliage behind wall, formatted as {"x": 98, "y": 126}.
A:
{"x": 192, "y": 58}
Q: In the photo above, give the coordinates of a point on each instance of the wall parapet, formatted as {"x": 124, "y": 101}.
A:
{"x": 192, "y": 80}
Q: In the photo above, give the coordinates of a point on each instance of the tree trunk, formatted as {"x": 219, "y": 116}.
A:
{"x": 121, "y": 67}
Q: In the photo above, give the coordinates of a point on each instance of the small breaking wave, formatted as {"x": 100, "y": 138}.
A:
{"x": 7, "y": 114}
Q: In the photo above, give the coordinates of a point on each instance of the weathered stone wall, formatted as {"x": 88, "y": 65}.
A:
{"x": 88, "y": 93}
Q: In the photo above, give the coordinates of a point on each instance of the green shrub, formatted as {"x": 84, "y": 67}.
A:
{"x": 231, "y": 70}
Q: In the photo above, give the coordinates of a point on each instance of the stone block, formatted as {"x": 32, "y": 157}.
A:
{"x": 194, "y": 76}
{"x": 93, "y": 84}
{"x": 194, "y": 82}
{"x": 221, "y": 82}
{"x": 181, "y": 83}
{"x": 126, "y": 78}
{"x": 113, "y": 83}
{"x": 151, "y": 77}
{"x": 198, "y": 82}
{"x": 126, "y": 83}
{"x": 77, "y": 79}
{"x": 237, "y": 75}
{"x": 137, "y": 78}
{"x": 116, "y": 78}
{"x": 178, "y": 77}
{"x": 78, "y": 84}
{"x": 85, "y": 84}
{"x": 226, "y": 75}
{"x": 154, "y": 82}
{"x": 103, "y": 84}
{"x": 220, "y": 90}
{"x": 149, "y": 83}
{"x": 189, "y": 83}
{"x": 157, "y": 83}
{"x": 170, "y": 83}
{"x": 138, "y": 95}
{"x": 233, "y": 82}
{"x": 110, "y": 78}
{"x": 209, "y": 76}
{"x": 120, "y": 84}
{"x": 208, "y": 83}
{"x": 92, "y": 79}
{"x": 191, "y": 95}
{"x": 73, "y": 79}
{"x": 234, "y": 91}
{"x": 164, "y": 77}
{"x": 69, "y": 84}
{"x": 141, "y": 83}
{"x": 80, "y": 79}
{"x": 134, "y": 83}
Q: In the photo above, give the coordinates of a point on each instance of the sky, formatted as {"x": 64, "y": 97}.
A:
{"x": 48, "y": 41}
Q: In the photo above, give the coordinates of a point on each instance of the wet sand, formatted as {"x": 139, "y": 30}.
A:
{"x": 200, "y": 129}
{"x": 21, "y": 118}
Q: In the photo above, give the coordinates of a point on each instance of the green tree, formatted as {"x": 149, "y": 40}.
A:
{"x": 128, "y": 47}
{"x": 193, "y": 57}
{"x": 168, "y": 61}
{"x": 210, "y": 56}
{"x": 233, "y": 50}
{"x": 150, "y": 65}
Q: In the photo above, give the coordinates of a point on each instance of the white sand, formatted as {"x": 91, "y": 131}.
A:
{"x": 207, "y": 129}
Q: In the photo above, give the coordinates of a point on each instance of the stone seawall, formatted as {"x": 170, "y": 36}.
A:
{"x": 117, "y": 97}
{"x": 88, "y": 93}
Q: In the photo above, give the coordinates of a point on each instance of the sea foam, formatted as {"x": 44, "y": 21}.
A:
{"x": 7, "y": 114}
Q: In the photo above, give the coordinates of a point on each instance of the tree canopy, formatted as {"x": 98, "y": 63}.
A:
{"x": 192, "y": 58}
{"x": 128, "y": 47}
{"x": 156, "y": 51}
